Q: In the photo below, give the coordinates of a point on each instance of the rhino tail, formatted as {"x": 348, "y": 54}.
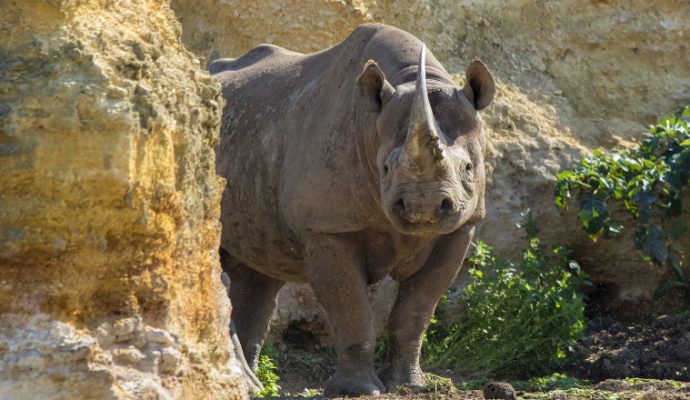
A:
{"x": 255, "y": 386}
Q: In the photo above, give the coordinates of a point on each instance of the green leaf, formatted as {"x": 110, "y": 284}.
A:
{"x": 593, "y": 214}
{"x": 675, "y": 266}
{"x": 562, "y": 192}
{"x": 653, "y": 244}
{"x": 668, "y": 286}
{"x": 614, "y": 228}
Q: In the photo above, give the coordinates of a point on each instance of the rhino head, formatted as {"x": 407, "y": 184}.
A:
{"x": 430, "y": 155}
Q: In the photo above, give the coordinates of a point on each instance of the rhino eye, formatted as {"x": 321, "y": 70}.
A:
{"x": 385, "y": 170}
{"x": 468, "y": 169}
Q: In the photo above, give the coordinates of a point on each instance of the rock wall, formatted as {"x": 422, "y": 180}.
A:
{"x": 572, "y": 76}
{"x": 109, "y": 275}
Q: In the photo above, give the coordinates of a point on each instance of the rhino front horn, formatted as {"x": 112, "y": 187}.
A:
{"x": 423, "y": 139}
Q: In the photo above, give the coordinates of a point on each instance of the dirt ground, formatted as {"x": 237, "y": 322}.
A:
{"x": 616, "y": 361}
{"x": 659, "y": 349}
{"x": 614, "y": 389}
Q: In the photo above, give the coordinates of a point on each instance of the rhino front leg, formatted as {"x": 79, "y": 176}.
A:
{"x": 417, "y": 298}
{"x": 335, "y": 265}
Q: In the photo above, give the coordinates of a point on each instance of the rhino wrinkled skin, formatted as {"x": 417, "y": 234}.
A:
{"x": 344, "y": 166}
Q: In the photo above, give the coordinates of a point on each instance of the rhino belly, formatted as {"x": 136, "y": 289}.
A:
{"x": 254, "y": 234}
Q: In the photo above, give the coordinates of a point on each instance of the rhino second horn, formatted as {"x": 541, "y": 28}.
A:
{"x": 423, "y": 130}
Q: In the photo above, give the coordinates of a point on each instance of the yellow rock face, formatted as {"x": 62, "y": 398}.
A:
{"x": 109, "y": 278}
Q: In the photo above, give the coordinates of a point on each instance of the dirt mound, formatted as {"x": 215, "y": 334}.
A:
{"x": 659, "y": 349}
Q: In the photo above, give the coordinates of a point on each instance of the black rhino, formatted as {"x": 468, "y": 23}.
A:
{"x": 344, "y": 166}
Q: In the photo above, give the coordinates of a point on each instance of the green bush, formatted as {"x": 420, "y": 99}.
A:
{"x": 267, "y": 371}
{"x": 519, "y": 319}
{"x": 649, "y": 182}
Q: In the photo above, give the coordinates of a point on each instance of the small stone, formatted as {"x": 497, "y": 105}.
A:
{"x": 124, "y": 326}
{"x": 193, "y": 356}
{"x": 102, "y": 334}
{"x": 159, "y": 336}
{"x": 499, "y": 390}
{"x": 139, "y": 340}
{"x": 115, "y": 92}
{"x": 101, "y": 357}
{"x": 153, "y": 359}
{"x": 129, "y": 355}
{"x": 124, "y": 329}
{"x": 170, "y": 360}
{"x": 78, "y": 348}
{"x": 558, "y": 395}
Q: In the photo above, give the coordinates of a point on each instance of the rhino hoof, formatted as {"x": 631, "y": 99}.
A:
{"x": 403, "y": 381}
{"x": 403, "y": 388}
{"x": 367, "y": 384}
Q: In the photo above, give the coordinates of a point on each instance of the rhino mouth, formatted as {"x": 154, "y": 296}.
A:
{"x": 430, "y": 225}
{"x": 411, "y": 216}
{"x": 429, "y": 222}
{"x": 437, "y": 226}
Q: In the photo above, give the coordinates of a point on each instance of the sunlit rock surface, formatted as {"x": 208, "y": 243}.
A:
{"x": 109, "y": 278}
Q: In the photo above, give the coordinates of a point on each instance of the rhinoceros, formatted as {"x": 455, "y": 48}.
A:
{"x": 343, "y": 167}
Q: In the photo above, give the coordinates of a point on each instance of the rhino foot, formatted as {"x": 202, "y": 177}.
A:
{"x": 403, "y": 379}
{"x": 364, "y": 383}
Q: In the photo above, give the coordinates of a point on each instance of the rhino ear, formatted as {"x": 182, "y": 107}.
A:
{"x": 479, "y": 85}
{"x": 374, "y": 89}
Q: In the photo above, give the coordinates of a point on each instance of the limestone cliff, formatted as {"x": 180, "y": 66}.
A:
{"x": 109, "y": 278}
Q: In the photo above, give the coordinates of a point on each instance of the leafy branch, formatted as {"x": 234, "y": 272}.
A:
{"x": 650, "y": 182}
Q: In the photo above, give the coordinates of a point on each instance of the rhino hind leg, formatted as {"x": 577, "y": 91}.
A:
{"x": 253, "y": 298}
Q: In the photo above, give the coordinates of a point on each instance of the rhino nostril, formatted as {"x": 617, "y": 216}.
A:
{"x": 446, "y": 206}
{"x": 399, "y": 207}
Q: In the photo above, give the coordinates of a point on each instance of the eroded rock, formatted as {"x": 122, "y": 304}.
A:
{"x": 109, "y": 278}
